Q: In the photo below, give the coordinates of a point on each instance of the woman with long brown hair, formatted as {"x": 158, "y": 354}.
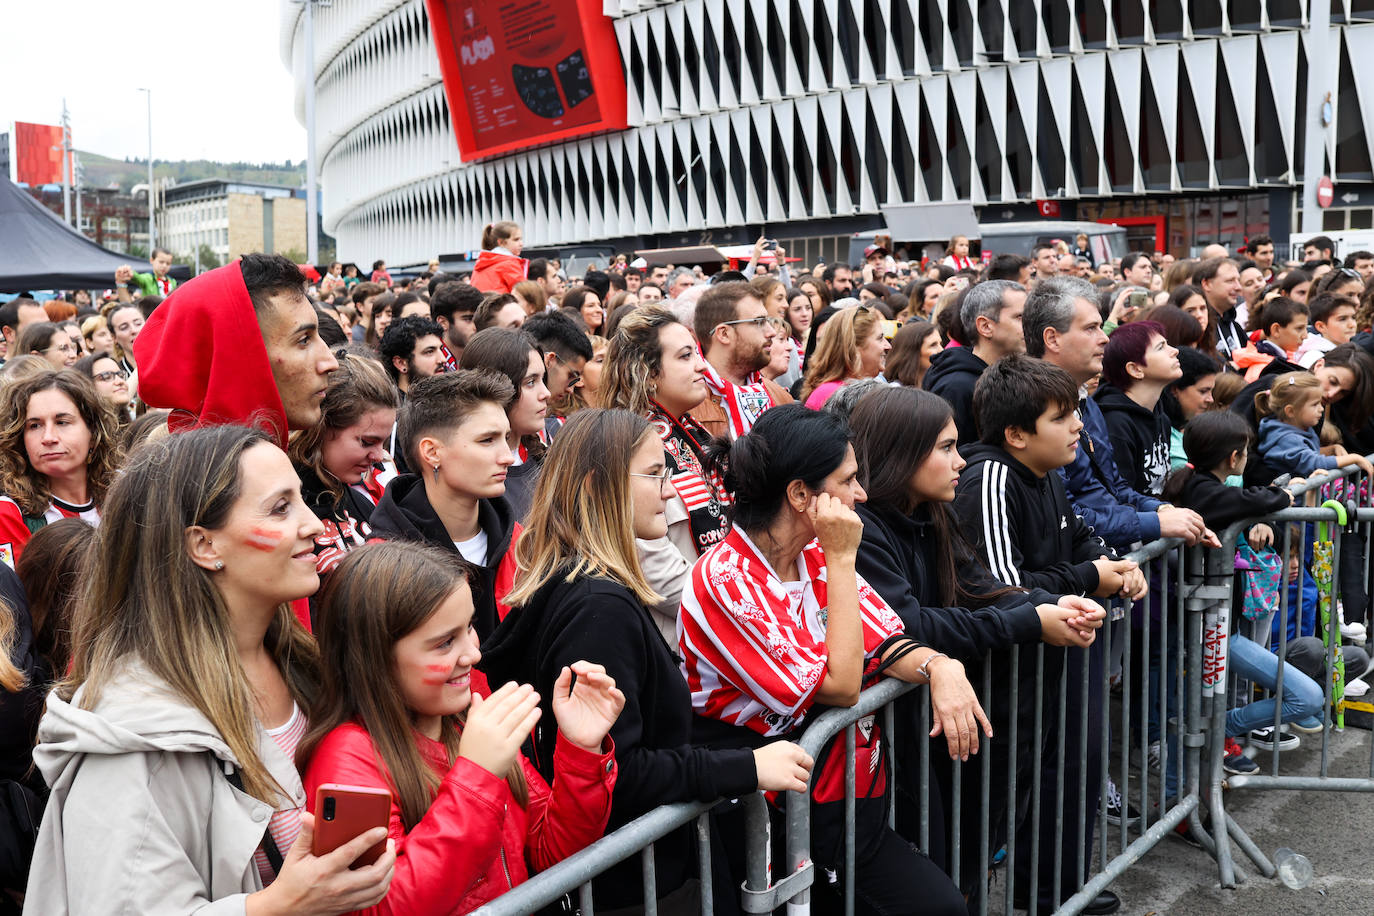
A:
{"x": 397, "y": 711}
{"x": 582, "y": 595}
{"x": 59, "y": 453}
{"x": 655, "y": 370}
{"x": 171, "y": 739}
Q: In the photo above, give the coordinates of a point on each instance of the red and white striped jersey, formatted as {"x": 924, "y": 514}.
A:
{"x": 753, "y": 646}
{"x": 15, "y": 533}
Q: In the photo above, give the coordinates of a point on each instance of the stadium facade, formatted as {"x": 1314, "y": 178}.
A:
{"x": 804, "y": 118}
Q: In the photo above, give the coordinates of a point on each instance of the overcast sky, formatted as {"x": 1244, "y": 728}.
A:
{"x": 220, "y": 90}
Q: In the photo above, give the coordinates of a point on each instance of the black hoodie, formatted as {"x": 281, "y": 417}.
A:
{"x": 600, "y": 621}
{"x": 1023, "y": 525}
{"x": 952, "y": 375}
{"x": 1140, "y": 439}
{"x": 1221, "y": 506}
{"x": 897, "y": 557}
{"x": 404, "y": 514}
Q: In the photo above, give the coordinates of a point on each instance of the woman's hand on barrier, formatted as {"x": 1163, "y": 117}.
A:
{"x": 1056, "y": 629}
{"x": 1260, "y": 536}
{"x": 586, "y": 709}
{"x": 838, "y": 527}
{"x": 955, "y": 709}
{"x": 1091, "y": 614}
{"x": 497, "y": 726}
{"x": 325, "y": 885}
{"x": 783, "y": 767}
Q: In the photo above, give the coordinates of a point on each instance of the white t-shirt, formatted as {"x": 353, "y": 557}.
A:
{"x": 474, "y": 549}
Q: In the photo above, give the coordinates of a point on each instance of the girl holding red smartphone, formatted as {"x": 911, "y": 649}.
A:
{"x": 470, "y": 816}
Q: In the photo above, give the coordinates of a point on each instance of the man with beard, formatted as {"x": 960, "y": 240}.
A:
{"x": 452, "y": 303}
{"x": 732, "y": 329}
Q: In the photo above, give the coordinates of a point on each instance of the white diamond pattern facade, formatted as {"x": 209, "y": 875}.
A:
{"x": 778, "y": 111}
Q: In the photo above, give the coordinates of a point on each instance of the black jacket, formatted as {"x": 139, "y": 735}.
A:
{"x": 952, "y": 375}
{"x": 897, "y": 557}
{"x": 1140, "y": 439}
{"x": 1023, "y": 526}
{"x": 20, "y": 711}
{"x": 600, "y": 621}
{"x": 404, "y": 514}
{"x": 1220, "y": 505}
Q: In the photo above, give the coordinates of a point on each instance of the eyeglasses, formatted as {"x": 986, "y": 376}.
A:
{"x": 662, "y": 477}
{"x": 1350, "y": 272}
{"x": 758, "y": 322}
{"x": 60, "y": 348}
{"x": 110, "y": 376}
{"x": 574, "y": 377}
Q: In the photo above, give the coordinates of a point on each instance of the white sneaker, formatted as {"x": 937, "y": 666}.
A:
{"x": 1356, "y": 688}
{"x": 1354, "y": 631}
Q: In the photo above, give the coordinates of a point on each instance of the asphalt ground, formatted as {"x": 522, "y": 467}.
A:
{"x": 1334, "y": 830}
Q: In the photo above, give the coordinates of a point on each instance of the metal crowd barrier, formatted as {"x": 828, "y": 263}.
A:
{"x": 1180, "y": 631}
{"x": 1340, "y": 504}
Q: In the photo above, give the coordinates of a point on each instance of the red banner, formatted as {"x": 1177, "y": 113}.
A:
{"x": 519, "y": 73}
{"x": 37, "y": 153}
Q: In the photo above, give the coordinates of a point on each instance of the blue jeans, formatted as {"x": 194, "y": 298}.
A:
{"x": 1249, "y": 661}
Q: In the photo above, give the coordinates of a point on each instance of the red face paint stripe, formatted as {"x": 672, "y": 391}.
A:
{"x": 265, "y": 539}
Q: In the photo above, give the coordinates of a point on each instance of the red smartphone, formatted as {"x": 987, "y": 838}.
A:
{"x": 343, "y": 813}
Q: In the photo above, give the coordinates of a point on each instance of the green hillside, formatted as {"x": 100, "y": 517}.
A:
{"x": 102, "y": 171}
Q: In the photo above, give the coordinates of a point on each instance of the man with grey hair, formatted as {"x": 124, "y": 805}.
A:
{"x": 1063, "y": 326}
{"x": 991, "y": 316}
{"x": 679, "y": 280}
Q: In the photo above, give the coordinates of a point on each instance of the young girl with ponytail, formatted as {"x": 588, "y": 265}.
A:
{"x": 499, "y": 266}
{"x": 471, "y": 818}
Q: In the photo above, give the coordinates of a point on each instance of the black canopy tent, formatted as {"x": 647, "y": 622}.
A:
{"x": 39, "y": 251}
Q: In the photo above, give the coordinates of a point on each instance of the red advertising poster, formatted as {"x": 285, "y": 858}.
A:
{"x": 37, "y": 153}
{"x": 519, "y": 73}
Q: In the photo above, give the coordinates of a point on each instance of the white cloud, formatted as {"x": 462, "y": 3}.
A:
{"x": 220, "y": 90}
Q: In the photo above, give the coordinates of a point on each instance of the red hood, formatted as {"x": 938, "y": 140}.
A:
{"x": 202, "y": 355}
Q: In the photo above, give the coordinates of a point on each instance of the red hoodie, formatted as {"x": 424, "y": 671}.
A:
{"x": 202, "y": 355}
{"x": 498, "y": 273}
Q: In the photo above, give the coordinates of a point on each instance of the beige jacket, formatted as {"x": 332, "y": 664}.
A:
{"x": 142, "y": 819}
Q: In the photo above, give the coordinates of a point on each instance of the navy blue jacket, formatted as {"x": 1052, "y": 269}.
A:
{"x": 1117, "y": 514}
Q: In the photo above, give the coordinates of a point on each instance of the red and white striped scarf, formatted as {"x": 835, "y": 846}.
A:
{"x": 701, "y": 491}
{"x": 743, "y": 404}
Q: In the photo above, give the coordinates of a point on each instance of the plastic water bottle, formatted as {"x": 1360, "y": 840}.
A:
{"x": 1295, "y": 870}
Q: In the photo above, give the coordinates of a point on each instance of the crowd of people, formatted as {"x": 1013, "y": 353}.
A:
{"x": 531, "y": 555}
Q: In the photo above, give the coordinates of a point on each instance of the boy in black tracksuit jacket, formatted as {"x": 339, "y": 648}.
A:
{"x": 1011, "y": 503}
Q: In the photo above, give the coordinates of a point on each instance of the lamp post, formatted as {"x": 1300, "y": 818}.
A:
{"x": 152, "y": 228}
{"x": 312, "y": 237}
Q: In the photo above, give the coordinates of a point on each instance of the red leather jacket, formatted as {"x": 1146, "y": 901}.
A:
{"x": 475, "y": 842}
